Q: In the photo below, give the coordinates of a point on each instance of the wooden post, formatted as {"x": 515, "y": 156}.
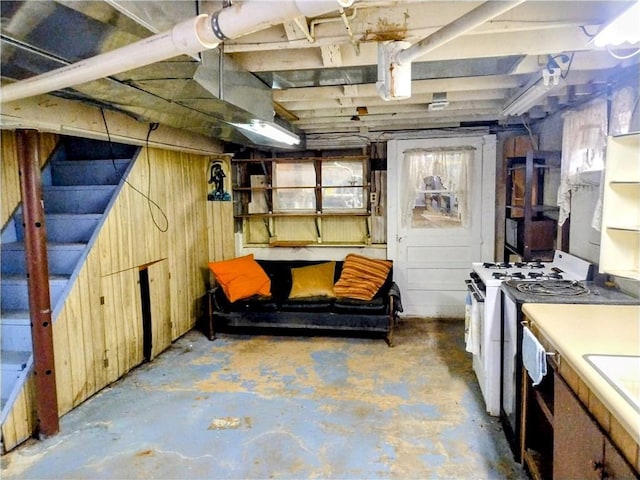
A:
{"x": 38, "y": 281}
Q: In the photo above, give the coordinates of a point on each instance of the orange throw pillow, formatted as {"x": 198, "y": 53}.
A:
{"x": 241, "y": 277}
{"x": 361, "y": 277}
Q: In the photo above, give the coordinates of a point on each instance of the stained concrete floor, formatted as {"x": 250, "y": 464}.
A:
{"x": 257, "y": 407}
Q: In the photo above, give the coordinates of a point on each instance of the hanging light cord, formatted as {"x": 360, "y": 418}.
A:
{"x": 150, "y": 202}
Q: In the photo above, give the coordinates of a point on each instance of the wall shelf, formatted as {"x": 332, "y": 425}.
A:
{"x": 530, "y": 225}
{"x": 307, "y": 201}
{"x": 620, "y": 237}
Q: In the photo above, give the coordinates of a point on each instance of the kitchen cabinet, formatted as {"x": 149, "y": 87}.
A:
{"x": 561, "y": 440}
{"x": 530, "y": 221}
{"x": 537, "y": 429}
{"x": 575, "y": 423}
{"x": 620, "y": 237}
{"x": 580, "y": 448}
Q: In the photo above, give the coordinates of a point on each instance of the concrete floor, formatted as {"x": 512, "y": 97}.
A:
{"x": 255, "y": 407}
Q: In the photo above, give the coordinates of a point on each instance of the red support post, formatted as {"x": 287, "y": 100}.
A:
{"x": 38, "y": 281}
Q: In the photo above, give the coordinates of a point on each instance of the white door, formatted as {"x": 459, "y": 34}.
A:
{"x": 441, "y": 218}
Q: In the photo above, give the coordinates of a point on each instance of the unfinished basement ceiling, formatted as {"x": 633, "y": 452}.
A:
{"x": 318, "y": 75}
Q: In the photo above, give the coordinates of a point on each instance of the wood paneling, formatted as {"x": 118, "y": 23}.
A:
{"x": 160, "y": 220}
{"x": 10, "y": 186}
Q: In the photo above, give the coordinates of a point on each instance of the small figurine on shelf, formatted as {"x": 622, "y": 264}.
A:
{"x": 217, "y": 176}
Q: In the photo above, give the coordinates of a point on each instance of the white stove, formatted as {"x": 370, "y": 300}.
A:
{"x": 482, "y": 329}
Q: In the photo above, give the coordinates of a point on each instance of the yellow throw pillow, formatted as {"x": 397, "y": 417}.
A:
{"x": 313, "y": 281}
{"x": 361, "y": 277}
{"x": 241, "y": 277}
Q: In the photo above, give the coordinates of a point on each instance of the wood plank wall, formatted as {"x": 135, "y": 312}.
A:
{"x": 173, "y": 233}
{"x": 10, "y": 186}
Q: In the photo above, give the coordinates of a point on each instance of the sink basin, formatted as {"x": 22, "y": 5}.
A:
{"x": 622, "y": 372}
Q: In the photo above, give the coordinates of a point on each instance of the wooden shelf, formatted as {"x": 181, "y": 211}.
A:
{"x": 620, "y": 239}
{"x": 335, "y": 206}
{"x": 633, "y": 228}
{"x": 544, "y": 407}
{"x": 533, "y": 461}
{"x": 529, "y": 231}
{"x": 308, "y": 187}
{"x": 299, "y": 159}
{"x": 303, "y": 214}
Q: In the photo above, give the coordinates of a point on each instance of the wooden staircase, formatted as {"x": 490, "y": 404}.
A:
{"x": 79, "y": 184}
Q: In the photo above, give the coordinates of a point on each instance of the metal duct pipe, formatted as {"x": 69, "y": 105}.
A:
{"x": 189, "y": 37}
{"x": 460, "y": 26}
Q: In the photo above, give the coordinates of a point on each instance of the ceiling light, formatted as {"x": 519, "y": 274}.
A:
{"x": 624, "y": 29}
{"x": 268, "y": 130}
{"x": 533, "y": 92}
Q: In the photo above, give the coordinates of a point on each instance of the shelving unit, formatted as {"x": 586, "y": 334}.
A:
{"x": 530, "y": 226}
{"x": 620, "y": 237}
{"x": 255, "y": 197}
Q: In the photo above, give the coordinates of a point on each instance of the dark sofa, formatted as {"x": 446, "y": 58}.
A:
{"x": 335, "y": 315}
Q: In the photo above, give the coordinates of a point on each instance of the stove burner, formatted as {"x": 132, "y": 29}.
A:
{"x": 506, "y": 275}
{"x": 567, "y": 288}
{"x": 497, "y": 265}
{"x": 531, "y": 264}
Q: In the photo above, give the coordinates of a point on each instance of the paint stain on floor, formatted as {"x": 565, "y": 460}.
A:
{"x": 285, "y": 407}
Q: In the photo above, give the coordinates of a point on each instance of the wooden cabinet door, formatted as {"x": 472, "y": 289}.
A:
{"x": 615, "y": 465}
{"x": 578, "y": 447}
{"x": 160, "y": 297}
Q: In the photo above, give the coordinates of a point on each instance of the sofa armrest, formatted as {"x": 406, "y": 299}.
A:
{"x": 212, "y": 306}
{"x": 395, "y": 300}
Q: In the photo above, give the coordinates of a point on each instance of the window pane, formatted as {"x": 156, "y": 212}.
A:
{"x": 437, "y": 188}
{"x": 301, "y": 174}
{"x": 345, "y": 179}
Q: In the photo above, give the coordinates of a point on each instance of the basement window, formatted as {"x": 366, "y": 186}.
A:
{"x": 303, "y": 201}
{"x": 324, "y": 185}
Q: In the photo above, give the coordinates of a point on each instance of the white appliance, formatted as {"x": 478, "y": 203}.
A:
{"x": 484, "y": 287}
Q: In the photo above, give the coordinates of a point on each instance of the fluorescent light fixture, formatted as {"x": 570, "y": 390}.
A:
{"x": 533, "y": 92}
{"x": 624, "y": 29}
{"x": 270, "y": 131}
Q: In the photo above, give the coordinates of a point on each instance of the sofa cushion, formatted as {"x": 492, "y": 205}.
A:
{"x": 256, "y": 303}
{"x": 308, "y": 304}
{"x": 375, "y": 306}
{"x": 362, "y": 277}
{"x": 313, "y": 281}
{"x": 241, "y": 277}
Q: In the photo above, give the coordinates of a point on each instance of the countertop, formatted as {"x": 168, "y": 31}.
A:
{"x": 578, "y": 330}
{"x": 597, "y": 295}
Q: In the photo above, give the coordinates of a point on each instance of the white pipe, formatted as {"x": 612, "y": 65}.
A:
{"x": 460, "y": 26}
{"x": 203, "y": 32}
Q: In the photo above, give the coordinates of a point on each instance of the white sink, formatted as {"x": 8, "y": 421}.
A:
{"x": 622, "y": 372}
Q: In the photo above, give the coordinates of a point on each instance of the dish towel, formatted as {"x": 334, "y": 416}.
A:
{"x": 472, "y": 329}
{"x": 534, "y": 357}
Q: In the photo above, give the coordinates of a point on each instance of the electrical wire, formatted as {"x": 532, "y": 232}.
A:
{"x": 150, "y": 202}
{"x": 534, "y": 144}
{"x": 622, "y": 57}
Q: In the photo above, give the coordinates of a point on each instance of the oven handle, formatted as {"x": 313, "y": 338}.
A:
{"x": 474, "y": 291}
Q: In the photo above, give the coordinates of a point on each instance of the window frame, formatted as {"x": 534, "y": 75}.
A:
{"x": 319, "y": 188}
